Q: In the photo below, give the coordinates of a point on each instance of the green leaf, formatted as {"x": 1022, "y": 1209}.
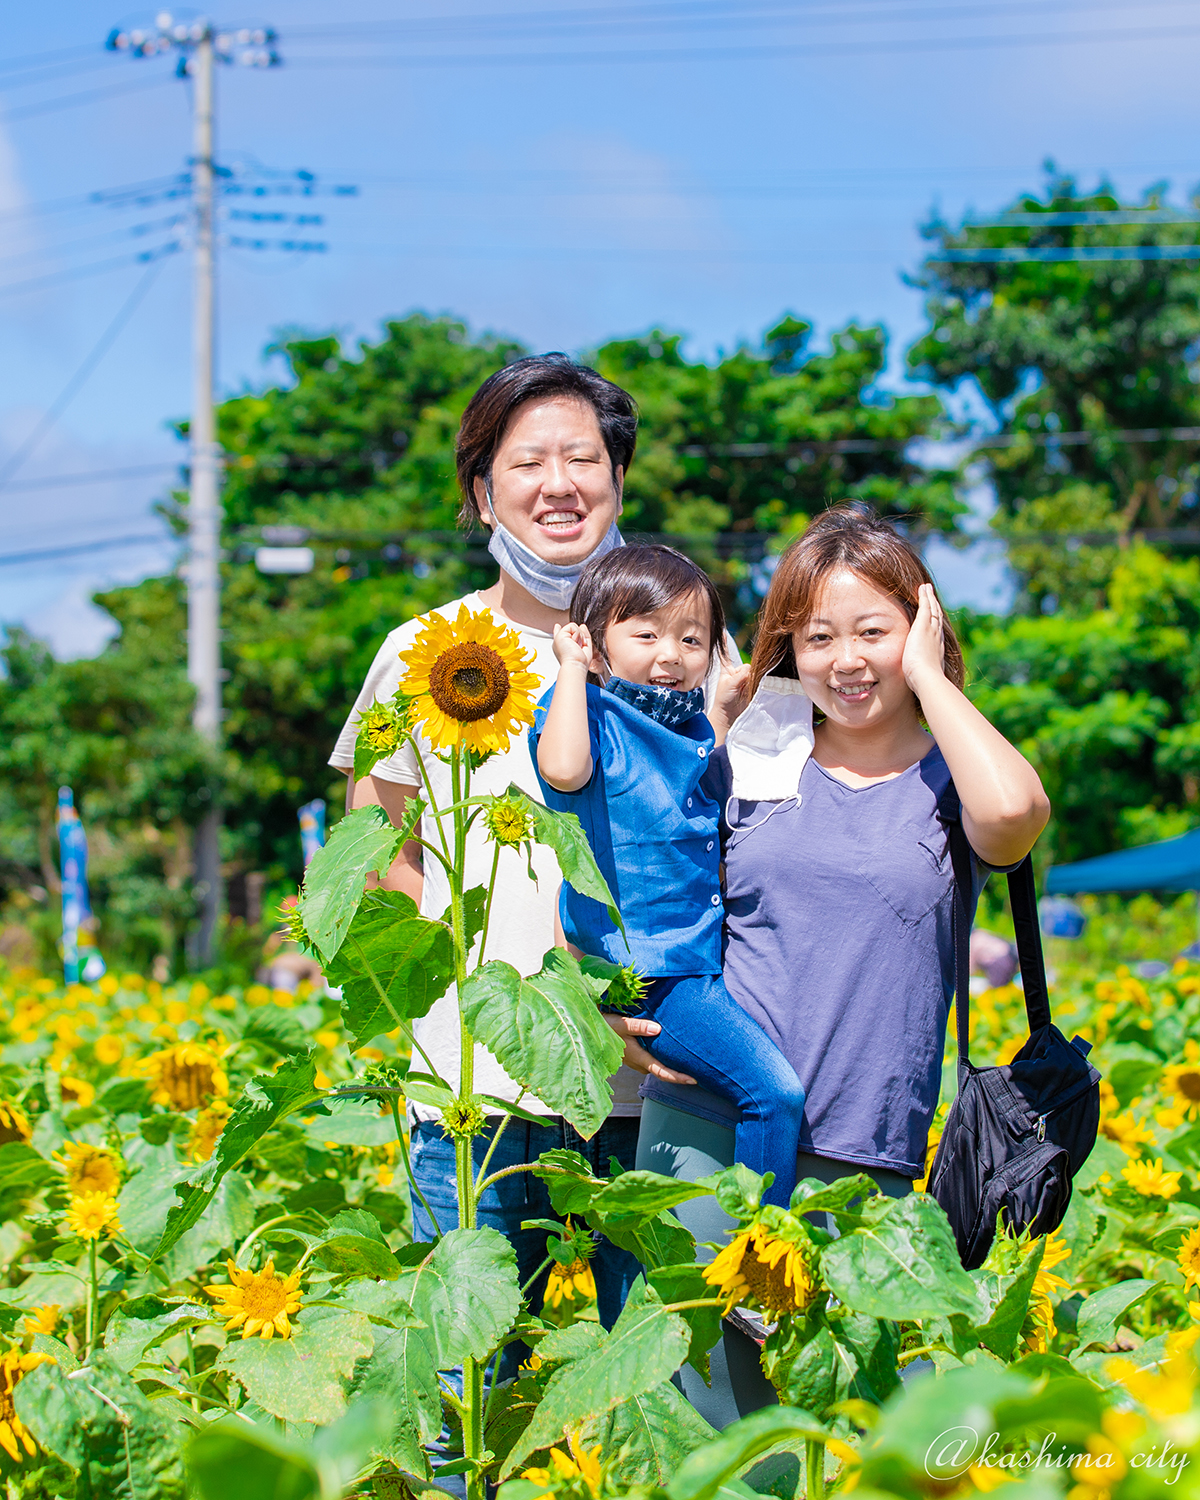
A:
{"x": 686, "y": 1283}
{"x": 547, "y": 1033}
{"x": 357, "y": 1221}
{"x": 24, "y": 1168}
{"x": 356, "y": 1255}
{"x": 563, "y": 832}
{"x": 125, "y": 1096}
{"x": 648, "y": 1436}
{"x": 234, "y": 1460}
{"x": 1100, "y": 1314}
{"x": 702, "y": 1475}
{"x": 646, "y": 1346}
{"x": 466, "y": 1293}
{"x": 739, "y": 1190}
{"x": 411, "y": 957}
{"x": 351, "y": 1122}
{"x": 569, "y": 1180}
{"x": 813, "y": 1381}
{"x": 403, "y": 1372}
{"x": 139, "y": 1326}
{"x": 634, "y": 1198}
{"x": 302, "y": 1379}
{"x": 277, "y": 1028}
{"x": 871, "y": 1346}
{"x": 266, "y": 1099}
{"x": 902, "y": 1266}
{"x": 103, "y": 1427}
{"x": 662, "y": 1242}
{"x": 474, "y": 902}
{"x": 361, "y": 843}
{"x": 811, "y": 1195}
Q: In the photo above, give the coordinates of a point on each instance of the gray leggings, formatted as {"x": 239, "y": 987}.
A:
{"x": 685, "y": 1146}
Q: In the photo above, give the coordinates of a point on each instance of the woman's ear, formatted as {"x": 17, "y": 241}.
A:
{"x": 483, "y": 501}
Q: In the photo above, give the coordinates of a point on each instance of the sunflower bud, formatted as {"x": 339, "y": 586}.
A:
{"x": 463, "y": 1120}
{"x": 508, "y": 821}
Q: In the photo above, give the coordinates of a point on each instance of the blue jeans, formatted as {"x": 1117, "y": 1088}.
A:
{"x": 524, "y": 1196}
{"x": 706, "y": 1034}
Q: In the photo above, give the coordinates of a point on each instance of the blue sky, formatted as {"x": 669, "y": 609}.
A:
{"x": 562, "y": 172}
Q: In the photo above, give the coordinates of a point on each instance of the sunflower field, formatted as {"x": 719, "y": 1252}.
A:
{"x": 211, "y": 1287}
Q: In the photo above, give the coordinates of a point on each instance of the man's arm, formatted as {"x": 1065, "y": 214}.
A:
{"x": 406, "y": 873}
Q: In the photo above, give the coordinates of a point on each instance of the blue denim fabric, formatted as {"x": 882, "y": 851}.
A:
{"x": 524, "y": 1196}
{"x": 706, "y": 1034}
{"x": 653, "y": 830}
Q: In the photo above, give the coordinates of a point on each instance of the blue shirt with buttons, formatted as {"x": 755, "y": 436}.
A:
{"x": 653, "y": 831}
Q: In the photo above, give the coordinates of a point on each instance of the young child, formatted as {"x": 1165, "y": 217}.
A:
{"x": 622, "y": 741}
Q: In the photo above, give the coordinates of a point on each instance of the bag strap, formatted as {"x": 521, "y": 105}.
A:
{"x": 1023, "y": 898}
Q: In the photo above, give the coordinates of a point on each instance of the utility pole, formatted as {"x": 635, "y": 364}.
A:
{"x": 199, "y": 46}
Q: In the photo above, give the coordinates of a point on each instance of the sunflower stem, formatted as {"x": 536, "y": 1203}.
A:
{"x": 254, "y": 1234}
{"x": 92, "y": 1300}
{"x": 487, "y": 907}
{"x": 487, "y": 1155}
{"x": 536, "y": 1274}
{"x": 814, "y": 1452}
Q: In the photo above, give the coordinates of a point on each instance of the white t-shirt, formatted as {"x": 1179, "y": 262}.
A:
{"x": 522, "y": 921}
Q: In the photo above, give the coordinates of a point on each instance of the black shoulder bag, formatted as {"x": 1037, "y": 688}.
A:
{"x": 1016, "y": 1135}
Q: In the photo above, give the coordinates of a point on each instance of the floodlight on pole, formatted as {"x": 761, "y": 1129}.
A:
{"x": 199, "y": 46}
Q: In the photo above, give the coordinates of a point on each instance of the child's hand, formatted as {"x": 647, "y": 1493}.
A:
{"x": 573, "y": 643}
{"x": 730, "y": 700}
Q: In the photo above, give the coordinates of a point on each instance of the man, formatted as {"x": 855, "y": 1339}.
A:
{"x": 542, "y": 454}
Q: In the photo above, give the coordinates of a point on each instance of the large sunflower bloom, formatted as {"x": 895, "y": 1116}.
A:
{"x": 14, "y": 1366}
{"x": 768, "y": 1266}
{"x": 90, "y": 1169}
{"x": 186, "y": 1076}
{"x": 468, "y": 682}
{"x": 258, "y": 1302}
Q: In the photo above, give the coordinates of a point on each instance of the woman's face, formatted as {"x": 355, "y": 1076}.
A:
{"x": 849, "y": 654}
{"x": 553, "y": 484}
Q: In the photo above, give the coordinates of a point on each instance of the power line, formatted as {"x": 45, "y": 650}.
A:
{"x": 48, "y": 554}
{"x": 102, "y": 197}
{"x": 126, "y": 231}
{"x": 857, "y": 47}
{"x": 36, "y": 283}
{"x": 72, "y": 387}
{"x": 87, "y": 96}
{"x": 94, "y": 476}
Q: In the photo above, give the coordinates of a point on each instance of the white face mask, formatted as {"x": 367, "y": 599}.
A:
{"x": 551, "y": 584}
{"x": 770, "y": 742}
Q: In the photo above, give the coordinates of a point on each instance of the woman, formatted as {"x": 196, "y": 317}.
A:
{"x": 839, "y": 889}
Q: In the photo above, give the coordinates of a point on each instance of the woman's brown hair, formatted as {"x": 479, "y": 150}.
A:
{"x": 843, "y": 537}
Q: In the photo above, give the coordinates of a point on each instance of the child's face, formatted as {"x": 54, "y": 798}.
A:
{"x": 669, "y": 648}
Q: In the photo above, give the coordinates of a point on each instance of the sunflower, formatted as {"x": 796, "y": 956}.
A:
{"x": 186, "y": 1076}
{"x": 14, "y": 1366}
{"x": 570, "y": 1284}
{"x": 1183, "y": 1080}
{"x": 43, "y": 1319}
{"x": 14, "y": 1124}
{"x": 508, "y": 821}
{"x": 209, "y": 1124}
{"x": 380, "y": 729}
{"x": 90, "y": 1169}
{"x": 1189, "y": 1259}
{"x": 258, "y": 1302}
{"x": 1149, "y": 1179}
{"x": 1163, "y": 1390}
{"x": 91, "y": 1215}
{"x": 1045, "y": 1285}
{"x": 770, "y": 1263}
{"x": 468, "y": 682}
{"x": 76, "y": 1091}
{"x": 1127, "y": 1132}
{"x": 581, "y": 1464}
{"x": 109, "y": 1049}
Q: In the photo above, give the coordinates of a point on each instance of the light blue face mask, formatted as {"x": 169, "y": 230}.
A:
{"x": 551, "y": 584}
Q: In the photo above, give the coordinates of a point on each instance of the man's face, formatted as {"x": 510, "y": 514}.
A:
{"x": 553, "y": 485}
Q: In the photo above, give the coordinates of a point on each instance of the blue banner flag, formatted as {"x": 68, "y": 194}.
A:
{"x": 81, "y": 957}
{"x": 312, "y": 828}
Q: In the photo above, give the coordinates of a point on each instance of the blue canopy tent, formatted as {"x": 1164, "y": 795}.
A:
{"x": 1173, "y": 865}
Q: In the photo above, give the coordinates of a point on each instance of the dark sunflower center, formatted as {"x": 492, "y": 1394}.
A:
{"x": 468, "y": 682}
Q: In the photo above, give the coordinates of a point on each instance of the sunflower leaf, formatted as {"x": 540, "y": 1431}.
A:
{"x": 702, "y": 1476}
{"x": 466, "y": 1293}
{"x": 563, "y": 832}
{"x": 362, "y": 843}
{"x": 302, "y": 1379}
{"x": 646, "y": 1346}
{"x": 546, "y": 1032}
{"x": 389, "y": 946}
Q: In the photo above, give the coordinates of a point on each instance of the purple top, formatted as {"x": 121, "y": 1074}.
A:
{"x": 839, "y": 944}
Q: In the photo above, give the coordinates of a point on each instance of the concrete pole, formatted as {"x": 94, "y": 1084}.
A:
{"x": 204, "y": 506}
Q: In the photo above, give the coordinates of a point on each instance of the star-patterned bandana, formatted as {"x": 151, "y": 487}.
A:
{"x": 667, "y": 706}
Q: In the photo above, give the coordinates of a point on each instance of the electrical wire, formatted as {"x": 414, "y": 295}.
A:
{"x": 72, "y": 387}
{"x": 93, "y": 476}
{"x": 48, "y": 554}
{"x": 127, "y": 231}
{"x": 101, "y": 197}
{"x": 38, "y": 282}
{"x": 87, "y": 96}
{"x": 37, "y": 59}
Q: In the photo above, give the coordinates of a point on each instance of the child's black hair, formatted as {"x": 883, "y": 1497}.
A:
{"x": 638, "y": 580}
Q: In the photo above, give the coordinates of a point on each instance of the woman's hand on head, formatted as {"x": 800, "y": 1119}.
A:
{"x": 925, "y": 648}
{"x": 573, "y": 643}
{"x": 636, "y": 1056}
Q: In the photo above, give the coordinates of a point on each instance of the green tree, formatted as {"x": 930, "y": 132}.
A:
{"x": 1095, "y": 347}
